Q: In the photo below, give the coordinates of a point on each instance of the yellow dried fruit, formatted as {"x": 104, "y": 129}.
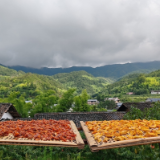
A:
{"x": 123, "y": 129}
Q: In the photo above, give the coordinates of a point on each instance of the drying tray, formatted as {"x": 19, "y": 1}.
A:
{"x": 77, "y": 144}
{"x": 94, "y": 146}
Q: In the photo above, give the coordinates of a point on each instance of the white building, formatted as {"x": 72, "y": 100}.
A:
{"x": 28, "y": 101}
{"x": 155, "y": 92}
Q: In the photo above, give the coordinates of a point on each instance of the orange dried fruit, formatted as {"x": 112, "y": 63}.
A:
{"x": 38, "y": 129}
{"x": 126, "y": 129}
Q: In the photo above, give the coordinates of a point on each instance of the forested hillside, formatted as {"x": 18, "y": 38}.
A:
{"x": 115, "y": 71}
{"x": 33, "y": 84}
{"x": 30, "y": 84}
{"x": 82, "y": 80}
{"x": 4, "y": 71}
{"x": 137, "y": 83}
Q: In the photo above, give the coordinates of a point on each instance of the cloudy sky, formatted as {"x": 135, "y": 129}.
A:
{"x": 64, "y": 33}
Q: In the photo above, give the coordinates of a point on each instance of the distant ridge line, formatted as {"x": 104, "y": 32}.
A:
{"x": 113, "y": 71}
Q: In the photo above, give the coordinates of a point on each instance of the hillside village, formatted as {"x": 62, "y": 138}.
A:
{"x": 33, "y": 91}
{"x": 79, "y": 80}
{"x": 78, "y": 96}
{"x": 100, "y": 94}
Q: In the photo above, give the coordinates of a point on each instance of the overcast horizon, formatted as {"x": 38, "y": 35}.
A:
{"x": 76, "y": 65}
{"x": 53, "y": 33}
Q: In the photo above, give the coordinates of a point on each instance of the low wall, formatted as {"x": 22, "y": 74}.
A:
{"x": 76, "y": 117}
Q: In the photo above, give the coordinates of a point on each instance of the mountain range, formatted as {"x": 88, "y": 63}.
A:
{"x": 114, "y": 71}
{"x": 120, "y": 79}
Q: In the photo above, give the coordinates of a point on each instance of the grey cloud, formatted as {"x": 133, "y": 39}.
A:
{"x": 67, "y": 33}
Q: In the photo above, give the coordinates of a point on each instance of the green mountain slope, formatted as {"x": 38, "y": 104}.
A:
{"x": 30, "y": 84}
{"x": 137, "y": 83}
{"x": 154, "y": 74}
{"x": 5, "y": 71}
{"x": 33, "y": 84}
{"x": 134, "y": 74}
{"x": 82, "y": 80}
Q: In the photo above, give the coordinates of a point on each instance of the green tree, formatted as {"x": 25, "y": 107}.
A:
{"x": 77, "y": 101}
{"x": 81, "y": 102}
{"x": 44, "y": 102}
{"x": 19, "y": 103}
{"x": 141, "y": 78}
{"x": 107, "y": 104}
{"x": 66, "y": 101}
{"x": 94, "y": 108}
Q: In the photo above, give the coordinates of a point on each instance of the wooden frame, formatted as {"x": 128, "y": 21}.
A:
{"x": 78, "y": 144}
{"x": 125, "y": 143}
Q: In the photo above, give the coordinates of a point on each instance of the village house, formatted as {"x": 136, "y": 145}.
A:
{"x": 8, "y": 111}
{"x": 125, "y": 107}
{"x": 93, "y": 102}
{"x": 118, "y": 104}
{"x": 153, "y": 100}
{"x": 116, "y": 99}
{"x": 155, "y": 92}
{"x": 130, "y": 93}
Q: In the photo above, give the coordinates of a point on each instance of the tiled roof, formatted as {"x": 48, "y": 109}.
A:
{"x": 156, "y": 91}
{"x": 8, "y": 107}
{"x": 141, "y": 106}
